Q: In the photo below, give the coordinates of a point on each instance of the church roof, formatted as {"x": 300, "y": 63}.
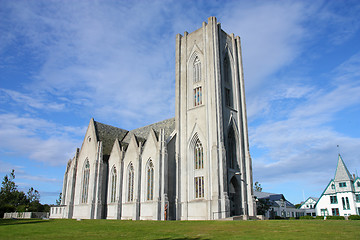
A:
{"x": 342, "y": 173}
{"x": 108, "y": 134}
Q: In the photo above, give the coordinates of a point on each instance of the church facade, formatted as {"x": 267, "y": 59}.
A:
{"x": 196, "y": 166}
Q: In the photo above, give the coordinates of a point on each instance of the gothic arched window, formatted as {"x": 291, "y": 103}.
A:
{"x": 231, "y": 150}
{"x": 227, "y": 70}
{"x": 130, "y": 188}
{"x": 85, "y": 183}
{"x": 228, "y": 82}
{"x": 199, "y": 165}
{"x": 198, "y": 155}
{"x": 197, "y": 70}
{"x": 150, "y": 181}
{"x": 113, "y": 184}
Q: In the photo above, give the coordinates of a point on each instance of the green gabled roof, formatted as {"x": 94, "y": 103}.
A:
{"x": 342, "y": 173}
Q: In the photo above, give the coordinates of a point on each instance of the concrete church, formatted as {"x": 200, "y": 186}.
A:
{"x": 196, "y": 166}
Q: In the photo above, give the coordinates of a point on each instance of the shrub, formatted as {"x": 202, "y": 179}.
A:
{"x": 335, "y": 217}
{"x": 278, "y": 217}
{"x": 292, "y": 218}
{"x": 306, "y": 217}
{"x": 320, "y": 217}
{"x": 354, "y": 217}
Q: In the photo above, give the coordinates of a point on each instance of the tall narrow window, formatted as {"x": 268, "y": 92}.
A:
{"x": 150, "y": 181}
{"x": 113, "y": 184}
{"x": 231, "y": 151}
{"x": 347, "y": 203}
{"x": 227, "y": 70}
{"x": 199, "y": 155}
{"x": 85, "y": 183}
{"x": 130, "y": 183}
{"x": 197, "y": 70}
{"x": 227, "y": 97}
{"x": 197, "y": 96}
{"x": 199, "y": 187}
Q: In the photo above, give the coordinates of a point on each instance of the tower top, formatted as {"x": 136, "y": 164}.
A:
{"x": 342, "y": 173}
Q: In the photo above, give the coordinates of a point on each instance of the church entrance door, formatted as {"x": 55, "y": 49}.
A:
{"x": 234, "y": 197}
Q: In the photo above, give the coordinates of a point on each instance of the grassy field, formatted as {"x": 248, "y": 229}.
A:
{"x": 114, "y": 229}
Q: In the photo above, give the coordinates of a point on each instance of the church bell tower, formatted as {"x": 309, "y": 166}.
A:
{"x": 214, "y": 172}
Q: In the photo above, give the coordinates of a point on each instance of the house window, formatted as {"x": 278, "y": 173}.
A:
{"x": 357, "y": 197}
{"x": 199, "y": 155}
{"x": 199, "y": 187}
{"x": 113, "y": 184}
{"x": 358, "y": 210}
{"x": 333, "y": 199}
{"x": 85, "y": 185}
{"x": 332, "y": 186}
{"x": 197, "y": 96}
{"x": 358, "y": 184}
{"x": 345, "y": 202}
{"x": 130, "y": 191}
{"x": 150, "y": 181}
{"x": 335, "y": 211}
{"x": 342, "y": 184}
{"x": 197, "y": 70}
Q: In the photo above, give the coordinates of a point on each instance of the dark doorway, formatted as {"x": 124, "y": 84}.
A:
{"x": 234, "y": 197}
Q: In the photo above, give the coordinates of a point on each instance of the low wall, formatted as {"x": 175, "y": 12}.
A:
{"x": 26, "y": 215}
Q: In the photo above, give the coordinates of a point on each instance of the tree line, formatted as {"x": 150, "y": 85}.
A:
{"x": 13, "y": 200}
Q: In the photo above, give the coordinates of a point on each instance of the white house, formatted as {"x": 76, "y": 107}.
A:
{"x": 195, "y": 166}
{"x": 309, "y": 206}
{"x": 341, "y": 197}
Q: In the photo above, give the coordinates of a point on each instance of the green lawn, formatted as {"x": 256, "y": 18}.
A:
{"x": 115, "y": 229}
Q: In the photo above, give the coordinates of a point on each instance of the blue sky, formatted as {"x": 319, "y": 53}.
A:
{"x": 63, "y": 62}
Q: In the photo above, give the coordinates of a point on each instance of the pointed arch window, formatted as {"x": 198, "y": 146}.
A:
{"x": 227, "y": 70}
{"x": 198, "y": 166}
{"x": 197, "y": 96}
{"x": 130, "y": 188}
{"x": 85, "y": 183}
{"x": 228, "y": 82}
{"x": 197, "y": 70}
{"x": 199, "y": 155}
{"x": 113, "y": 184}
{"x": 150, "y": 181}
{"x": 231, "y": 151}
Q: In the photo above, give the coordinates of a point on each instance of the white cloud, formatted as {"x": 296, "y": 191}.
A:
{"x": 38, "y": 139}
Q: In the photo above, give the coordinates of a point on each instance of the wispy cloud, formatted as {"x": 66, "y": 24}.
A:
{"x": 22, "y": 135}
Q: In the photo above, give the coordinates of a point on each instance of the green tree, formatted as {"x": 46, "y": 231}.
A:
{"x": 33, "y": 195}
{"x": 58, "y": 201}
{"x": 298, "y": 205}
{"x": 262, "y": 206}
{"x": 11, "y": 199}
{"x": 257, "y": 187}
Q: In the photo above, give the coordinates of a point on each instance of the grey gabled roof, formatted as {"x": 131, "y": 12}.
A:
{"x": 143, "y": 132}
{"x": 342, "y": 173}
{"x": 108, "y": 134}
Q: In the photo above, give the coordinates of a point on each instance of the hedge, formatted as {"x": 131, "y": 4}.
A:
{"x": 354, "y": 217}
{"x": 335, "y": 217}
